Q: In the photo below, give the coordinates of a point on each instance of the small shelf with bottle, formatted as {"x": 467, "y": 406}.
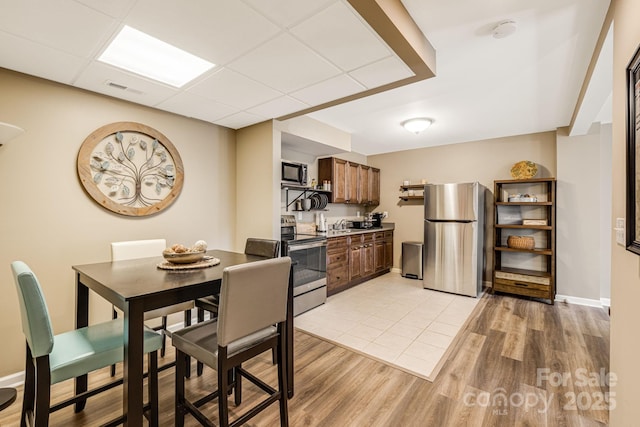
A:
{"x": 410, "y": 188}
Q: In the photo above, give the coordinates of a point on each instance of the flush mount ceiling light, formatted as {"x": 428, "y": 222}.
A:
{"x": 504, "y": 29}
{"x": 142, "y": 54}
{"x": 417, "y": 125}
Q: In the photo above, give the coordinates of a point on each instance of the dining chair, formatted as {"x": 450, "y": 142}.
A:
{"x": 251, "y": 319}
{"x": 51, "y": 359}
{"x": 142, "y": 249}
{"x": 266, "y": 248}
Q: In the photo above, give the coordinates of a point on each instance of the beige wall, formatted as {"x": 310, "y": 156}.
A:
{"x": 482, "y": 161}
{"x": 49, "y": 222}
{"x": 584, "y": 231}
{"x": 625, "y": 266}
{"x": 258, "y": 182}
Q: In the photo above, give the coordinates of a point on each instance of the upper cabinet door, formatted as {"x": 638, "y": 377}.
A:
{"x": 352, "y": 182}
{"x": 363, "y": 193}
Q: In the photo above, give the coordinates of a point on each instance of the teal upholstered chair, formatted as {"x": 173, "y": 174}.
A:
{"x": 54, "y": 358}
{"x": 251, "y": 320}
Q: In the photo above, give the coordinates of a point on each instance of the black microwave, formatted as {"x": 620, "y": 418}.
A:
{"x": 294, "y": 173}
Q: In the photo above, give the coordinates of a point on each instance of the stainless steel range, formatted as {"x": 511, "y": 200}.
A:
{"x": 308, "y": 254}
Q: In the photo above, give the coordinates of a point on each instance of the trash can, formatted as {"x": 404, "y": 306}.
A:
{"x": 412, "y": 260}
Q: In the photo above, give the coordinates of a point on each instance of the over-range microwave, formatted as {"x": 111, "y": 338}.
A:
{"x": 294, "y": 173}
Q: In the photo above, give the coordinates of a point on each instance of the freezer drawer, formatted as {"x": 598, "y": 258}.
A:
{"x": 451, "y": 257}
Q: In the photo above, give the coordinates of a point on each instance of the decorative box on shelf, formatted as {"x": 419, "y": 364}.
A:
{"x": 530, "y": 221}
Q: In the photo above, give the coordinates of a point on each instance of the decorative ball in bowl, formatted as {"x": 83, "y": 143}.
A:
{"x": 183, "y": 257}
{"x": 180, "y": 254}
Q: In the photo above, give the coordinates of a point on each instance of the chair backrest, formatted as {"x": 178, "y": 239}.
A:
{"x": 253, "y": 296}
{"x": 262, "y": 247}
{"x": 36, "y": 323}
{"x": 137, "y": 249}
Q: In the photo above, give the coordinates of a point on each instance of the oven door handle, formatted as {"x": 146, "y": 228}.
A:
{"x": 293, "y": 248}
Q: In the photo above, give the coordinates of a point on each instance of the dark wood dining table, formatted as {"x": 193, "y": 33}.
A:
{"x": 138, "y": 285}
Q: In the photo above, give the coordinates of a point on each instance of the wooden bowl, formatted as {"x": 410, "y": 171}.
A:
{"x": 184, "y": 257}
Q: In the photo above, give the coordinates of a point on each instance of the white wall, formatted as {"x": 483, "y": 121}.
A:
{"x": 583, "y": 235}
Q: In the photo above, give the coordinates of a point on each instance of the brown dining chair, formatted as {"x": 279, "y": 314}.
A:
{"x": 143, "y": 249}
{"x": 251, "y": 319}
{"x": 51, "y": 359}
{"x": 266, "y": 248}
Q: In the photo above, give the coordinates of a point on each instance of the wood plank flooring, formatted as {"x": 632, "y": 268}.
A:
{"x": 516, "y": 363}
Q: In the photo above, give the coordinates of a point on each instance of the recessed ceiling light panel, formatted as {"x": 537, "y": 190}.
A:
{"x": 140, "y": 53}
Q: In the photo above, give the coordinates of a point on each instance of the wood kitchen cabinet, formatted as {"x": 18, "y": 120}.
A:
{"x": 525, "y": 271}
{"x": 374, "y": 186}
{"x": 365, "y": 181}
{"x": 356, "y": 258}
{"x": 350, "y": 182}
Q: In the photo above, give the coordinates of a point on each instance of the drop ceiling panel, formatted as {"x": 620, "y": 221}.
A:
{"x": 140, "y": 90}
{"x": 239, "y": 120}
{"x": 114, "y": 8}
{"x": 62, "y": 24}
{"x": 278, "y": 107}
{"x": 285, "y": 64}
{"x": 193, "y": 105}
{"x": 338, "y": 35}
{"x": 387, "y": 70}
{"x": 218, "y": 31}
{"x": 288, "y": 12}
{"x": 27, "y": 57}
{"x": 328, "y": 90}
{"x": 230, "y": 88}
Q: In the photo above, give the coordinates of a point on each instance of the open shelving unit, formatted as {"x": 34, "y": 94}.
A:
{"x": 527, "y": 272}
{"x": 304, "y": 193}
{"x": 419, "y": 187}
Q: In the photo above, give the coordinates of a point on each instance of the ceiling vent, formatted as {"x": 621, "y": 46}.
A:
{"x": 118, "y": 86}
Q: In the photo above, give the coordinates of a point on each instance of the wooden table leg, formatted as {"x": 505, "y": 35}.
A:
{"x": 133, "y": 364}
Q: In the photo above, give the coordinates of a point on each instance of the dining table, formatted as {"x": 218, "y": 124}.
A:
{"x": 139, "y": 285}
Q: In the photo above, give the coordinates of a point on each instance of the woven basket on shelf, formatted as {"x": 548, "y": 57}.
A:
{"x": 521, "y": 242}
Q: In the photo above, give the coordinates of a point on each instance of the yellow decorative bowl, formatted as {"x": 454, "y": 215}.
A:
{"x": 183, "y": 257}
{"x": 524, "y": 170}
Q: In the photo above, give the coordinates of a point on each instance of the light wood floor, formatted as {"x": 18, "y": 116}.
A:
{"x": 497, "y": 356}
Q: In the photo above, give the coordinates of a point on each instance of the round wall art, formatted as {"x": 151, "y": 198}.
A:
{"x": 130, "y": 169}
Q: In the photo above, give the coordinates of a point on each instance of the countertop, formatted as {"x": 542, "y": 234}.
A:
{"x": 389, "y": 226}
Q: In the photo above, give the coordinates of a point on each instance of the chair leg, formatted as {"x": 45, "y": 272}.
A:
{"x": 223, "y": 391}
{"x": 43, "y": 392}
{"x": 237, "y": 386}
{"x": 282, "y": 381}
{"x": 187, "y": 322}
{"x": 179, "y": 392}
{"x": 199, "y": 364}
{"x": 114, "y": 315}
{"x": 153, "y": 387}
{"x": 29, "y": 388}
{"x": 164, "y": 336}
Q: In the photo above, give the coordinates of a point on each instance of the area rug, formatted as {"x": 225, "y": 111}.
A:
{"x": 394, "y": 320}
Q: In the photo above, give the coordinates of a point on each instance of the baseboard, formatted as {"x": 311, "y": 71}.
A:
{"x": 606, "y": 302}
{"x": 12, "y": 380}
{"x": 580, "y": 301}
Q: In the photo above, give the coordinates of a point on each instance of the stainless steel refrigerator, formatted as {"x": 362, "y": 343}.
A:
{"x": 454, "y": 237}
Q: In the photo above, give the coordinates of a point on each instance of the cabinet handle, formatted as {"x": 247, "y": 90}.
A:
{"x": 521, "y": 284}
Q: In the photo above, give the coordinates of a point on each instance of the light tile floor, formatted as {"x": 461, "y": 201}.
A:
{"x": 392, "y": 319}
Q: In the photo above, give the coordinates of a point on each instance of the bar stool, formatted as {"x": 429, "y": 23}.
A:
{"x": 51, "y": 359}
{"x": 251, "y": 319}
